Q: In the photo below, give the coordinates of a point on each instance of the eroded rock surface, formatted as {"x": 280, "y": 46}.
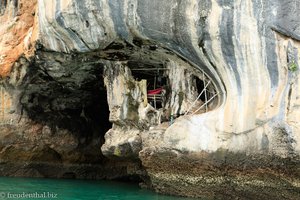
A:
{"x": 245, "y": 143}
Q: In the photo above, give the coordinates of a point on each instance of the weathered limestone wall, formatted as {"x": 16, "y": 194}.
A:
{"x": 18, "y": 31}
{"x": 245, "y": 67}
{"x": 183, "y": 92}
{"x": 129, "y": 111}
{"x": 132, "y": 114}
{"x": 250, "y": 50}
{"x": 5, "y": 105}
{"x": 128, "y": 98}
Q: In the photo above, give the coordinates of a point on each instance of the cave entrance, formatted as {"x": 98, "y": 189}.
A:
{"x": 96, "y": 111}
{"x": 172, "y": 86}
{"x": 105, "y": 110}
{"x": 157, "y": 83}
{"x": 162, "y": 93}
{"x": 199, "y": 84}
{"x": 99, "y": 112}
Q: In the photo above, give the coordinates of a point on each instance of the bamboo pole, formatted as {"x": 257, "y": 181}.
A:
{"x": 197, "y": 97}
{"x": 149, "y": 69}
{"x": 205, "y": 94}
{"x": 205, "y": 103}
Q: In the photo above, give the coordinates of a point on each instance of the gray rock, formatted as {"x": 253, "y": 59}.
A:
{"x": 248, "y": 51}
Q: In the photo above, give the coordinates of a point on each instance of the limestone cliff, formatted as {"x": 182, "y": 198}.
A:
{"x": 239, "y": 137}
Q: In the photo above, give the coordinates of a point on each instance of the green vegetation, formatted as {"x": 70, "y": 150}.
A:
{"x": 293, "y": 66}
{"x": 117, "y": 152}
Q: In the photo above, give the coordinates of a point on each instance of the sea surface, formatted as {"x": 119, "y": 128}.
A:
{"x": 29, "y": 188}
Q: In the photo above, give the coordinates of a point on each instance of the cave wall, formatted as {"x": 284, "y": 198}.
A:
{"x": 18, "y": 31}
{"x": 249, "y": 49}
{"x": 54, "y": 116}
{"x": 245, "y": 67}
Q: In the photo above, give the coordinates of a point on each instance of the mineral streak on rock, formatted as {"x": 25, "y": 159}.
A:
{"x": 65, "y": 63}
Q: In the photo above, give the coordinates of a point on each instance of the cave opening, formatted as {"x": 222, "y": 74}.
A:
{"x": 199, "y": 84}
{"x": 157, "y": 81}
{"x": 98, "y": 111}
{"x": 67, "y": 93}
{"x": 73, "y": 99}
{"x": 77, "y": 99}
{"x": 207, "y": 96}
{"x": 194, "y": 93}
{"x": 86, "y": 111}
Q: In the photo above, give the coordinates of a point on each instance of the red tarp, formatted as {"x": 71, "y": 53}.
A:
{"x": 156, "y": 91}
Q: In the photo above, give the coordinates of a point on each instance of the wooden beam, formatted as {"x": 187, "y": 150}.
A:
{"x": 197, "y": 98}
{"x": 205, "y": 103}
{"x": 148, "y": 69}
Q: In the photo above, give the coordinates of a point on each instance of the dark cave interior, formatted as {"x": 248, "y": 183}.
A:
{"x": 66, "y": 91}
{"x": 74, "y": 98}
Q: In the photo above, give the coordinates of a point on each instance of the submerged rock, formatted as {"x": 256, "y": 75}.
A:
{"x": 205, "y": 94}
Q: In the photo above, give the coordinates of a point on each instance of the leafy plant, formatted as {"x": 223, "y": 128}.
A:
{"x": 293, "y": 66}
{"x": 117, "y": 152}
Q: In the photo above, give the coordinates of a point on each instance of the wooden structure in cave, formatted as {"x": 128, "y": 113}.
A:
{"x": 207, "y": 93}
{"x": 157, "y": 84}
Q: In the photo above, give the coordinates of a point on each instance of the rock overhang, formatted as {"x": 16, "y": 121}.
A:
{"x": 258, "y": 108}
{"x": 72, "y": 26}
{"x": 203, "y": 42}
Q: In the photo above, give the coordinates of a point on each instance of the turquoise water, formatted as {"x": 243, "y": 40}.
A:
{"x": 27, "y": 188}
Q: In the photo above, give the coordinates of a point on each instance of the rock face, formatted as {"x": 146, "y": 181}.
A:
{"x": 239, "y": 139}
